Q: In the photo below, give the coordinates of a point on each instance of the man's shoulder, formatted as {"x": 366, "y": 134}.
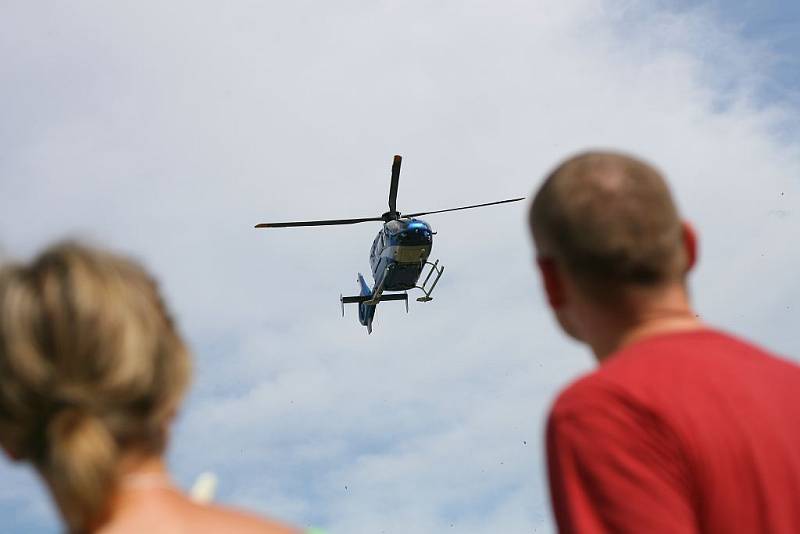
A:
{"x": 590, "y": 391}
{"x": 651, "y": 373}
{"x": 631, "y": 374}
{"x": 692, "y": 357}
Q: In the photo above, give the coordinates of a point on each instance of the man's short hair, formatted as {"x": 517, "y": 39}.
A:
{"x": 610, "y": 221}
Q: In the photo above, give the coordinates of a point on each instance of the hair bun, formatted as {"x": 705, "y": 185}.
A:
{"x": 82, "y": 457}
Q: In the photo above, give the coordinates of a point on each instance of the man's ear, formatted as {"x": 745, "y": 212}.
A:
{"x": 690, "y": 245}
{"x": 551, "y": 279}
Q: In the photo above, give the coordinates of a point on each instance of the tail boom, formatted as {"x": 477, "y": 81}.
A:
{"x": 368, "y": 301}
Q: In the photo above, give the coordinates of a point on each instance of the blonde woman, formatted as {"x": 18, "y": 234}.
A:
{"x": 92, "y": 371}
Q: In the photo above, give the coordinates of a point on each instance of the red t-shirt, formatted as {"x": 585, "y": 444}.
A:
{"x": 680, "y": 433}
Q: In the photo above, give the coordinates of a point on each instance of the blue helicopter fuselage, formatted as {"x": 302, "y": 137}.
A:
{"x": 399, "y": 253}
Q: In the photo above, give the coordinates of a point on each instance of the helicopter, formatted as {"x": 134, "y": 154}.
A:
{"x": 398, "y": 256}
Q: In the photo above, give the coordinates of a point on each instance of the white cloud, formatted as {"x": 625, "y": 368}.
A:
{"x": 169, "y": 130}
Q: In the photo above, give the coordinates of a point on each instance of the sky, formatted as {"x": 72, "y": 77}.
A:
{"x": 167, "y": 130}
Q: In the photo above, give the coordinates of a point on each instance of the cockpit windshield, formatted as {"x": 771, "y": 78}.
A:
{"x": 415, "y": 224}
{"x": 394, "y": 227}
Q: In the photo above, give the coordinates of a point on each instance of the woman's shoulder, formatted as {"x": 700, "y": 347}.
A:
{"x": 175, "y": 513}
{"x": 215, "y": 518}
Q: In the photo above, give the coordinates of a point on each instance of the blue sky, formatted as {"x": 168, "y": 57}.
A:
{"x": 167, "y": 130}
{"x": 774, "y": 24}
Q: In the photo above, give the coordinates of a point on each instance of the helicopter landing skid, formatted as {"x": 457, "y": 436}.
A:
{"x": 435, "y": 268}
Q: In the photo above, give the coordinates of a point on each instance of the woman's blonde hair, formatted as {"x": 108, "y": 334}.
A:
{"x": 91, "y": 369}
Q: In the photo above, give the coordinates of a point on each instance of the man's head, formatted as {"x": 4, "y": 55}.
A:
{"x": 608, "y": 237}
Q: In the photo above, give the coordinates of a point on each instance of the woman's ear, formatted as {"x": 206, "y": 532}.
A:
{"x": 551, "y": 279}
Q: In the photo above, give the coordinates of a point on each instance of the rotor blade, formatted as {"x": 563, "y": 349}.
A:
{"x": 330, "y": 222}
{"x": 463, "y": 207}
{"x": 395, "y": 180}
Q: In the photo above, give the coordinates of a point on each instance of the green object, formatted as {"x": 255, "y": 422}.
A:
{"x": 315, "y": 531}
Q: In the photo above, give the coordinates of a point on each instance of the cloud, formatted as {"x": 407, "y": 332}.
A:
{"x": 168, "y": 131}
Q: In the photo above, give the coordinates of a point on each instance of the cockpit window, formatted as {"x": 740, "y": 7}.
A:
{"x": 417, "y": 225}
{"x": 377, "y": 244}
{"x": 394, "y": 226}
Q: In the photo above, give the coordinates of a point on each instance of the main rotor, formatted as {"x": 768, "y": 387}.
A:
{"x": 391, "y": 215}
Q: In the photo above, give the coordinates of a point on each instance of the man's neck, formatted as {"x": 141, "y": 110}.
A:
{"x": 668, "y": 312}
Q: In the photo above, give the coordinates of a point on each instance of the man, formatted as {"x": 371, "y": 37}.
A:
{"x": 682, "y": 428}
